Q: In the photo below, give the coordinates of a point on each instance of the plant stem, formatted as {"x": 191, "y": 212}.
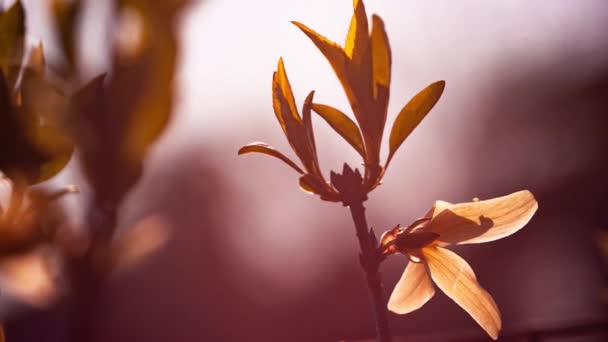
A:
{"x": 370, "y": 263}
{"x": 88, "y": 272}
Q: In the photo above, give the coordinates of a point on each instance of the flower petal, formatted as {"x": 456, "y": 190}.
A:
{"x": 412, "y": 291}
{"x": 259, "y": 147}
{"x": 412, "y": 114}
{"x": 483, "y": 221}
{"x": 457, "y": 280}
{"x": 342, "y": 124}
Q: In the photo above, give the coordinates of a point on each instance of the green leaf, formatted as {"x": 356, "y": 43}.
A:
{"x": 412, "y": 114}
{"x": 271, "y": 151}
{"x": 342, "y": 124}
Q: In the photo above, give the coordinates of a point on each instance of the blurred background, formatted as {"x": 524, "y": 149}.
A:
{"x": 252, "y": 258}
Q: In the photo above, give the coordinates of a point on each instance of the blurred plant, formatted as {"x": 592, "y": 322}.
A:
{"x": 47, "y": 111}
{"x": 363, "y": 67}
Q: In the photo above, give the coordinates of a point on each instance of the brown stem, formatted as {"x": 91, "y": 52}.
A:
{"x": 88, "y": 273}
{"x": 370, "y": 261}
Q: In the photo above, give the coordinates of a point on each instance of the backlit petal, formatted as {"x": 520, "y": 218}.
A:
{"x": 483, "y": 221}
{"x": 413, "y": 290}
{"x": 456, "y": 279}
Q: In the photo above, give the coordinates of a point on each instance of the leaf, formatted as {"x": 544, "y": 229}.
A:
{"x": 45, "y": 108}
{"x": 342, "y": 124}
{"x": 271, "y": 151}
{"x": 412, "y": 291}
{"x": 66, "y": 14}
{"x": 12, "y": 36}
{"x": 456, "y": 279}
{"x": 307, "y": 121}
{"x": 357, "y": 38}
{"x": 381, "y": 55}
{"x": 285, "y": 88}
{"x": 483, "y": 221}
{"x": 412, "y": 114}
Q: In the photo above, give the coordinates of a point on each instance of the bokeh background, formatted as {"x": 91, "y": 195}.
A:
{"x": 252, "y": 258}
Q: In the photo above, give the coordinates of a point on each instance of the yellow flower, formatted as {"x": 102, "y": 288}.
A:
{"x": 363, "y": 67}
{"x": 449, "y": 224}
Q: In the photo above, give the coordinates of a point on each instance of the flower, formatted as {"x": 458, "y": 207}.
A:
{"x": 363, "y": 67}
{"x": 450, "y": 224}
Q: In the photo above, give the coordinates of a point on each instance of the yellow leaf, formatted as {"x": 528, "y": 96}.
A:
{"x": 456, "y": 279}
{"x": 381, "y": 55}
{"x": 343, "y": 125}
{"x": 271, "y": 151}
{"x": 334, "y": 54}
{"x": 357, "y": 38}
{"x": 307, "y": 121}
{"x": 285, "y": 88}
{"x": 412, "y": 114}
{"x": 412, "y": 291}
{"x": 482, "y": 221}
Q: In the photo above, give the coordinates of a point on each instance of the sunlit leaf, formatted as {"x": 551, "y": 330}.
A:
{"x": 334, "y": 54}
{"x": 285, "y": 88}
{"x": 307, "y": 121}
{"x": 482, "y": 221}
{"x": 412, "y": 291}
{"x": 357, "y": 38}
{"x": 412, "y": 114}
{"x": 342, "y": 124}
{"x": 456, "y": 279}
{"x": 271, "y": 151}
{"x": 381, "y": 55}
